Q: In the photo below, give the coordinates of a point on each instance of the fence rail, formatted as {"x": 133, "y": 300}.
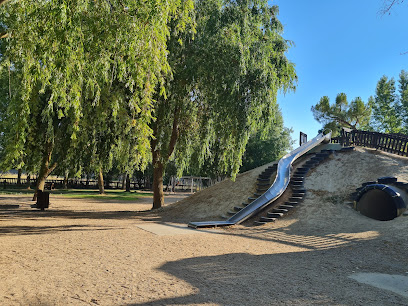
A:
{"x": 392, "y": 143}
{"x": 185, "y": 183}
{"x": 71, "y": 183}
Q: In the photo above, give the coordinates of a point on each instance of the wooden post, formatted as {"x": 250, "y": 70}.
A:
{"x": 404, "y": 151}
{"x": 398, "y": 146}
{"x": 302, "y": 138}
{"x": 127, "y": 182}
{"x": 173, "y": 183}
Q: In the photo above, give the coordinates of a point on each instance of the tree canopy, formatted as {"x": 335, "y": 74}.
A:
{"x": 403, "y": 98}
{"x": 386, "y": 107}
{"x": 98, "y": 83}
{"x": 263, "y": 149}
{"x": 354, "y": 115}
{"x": 386, "y": 111}
{"x": 77, "y": 60}
{"x": 223, "y": 87}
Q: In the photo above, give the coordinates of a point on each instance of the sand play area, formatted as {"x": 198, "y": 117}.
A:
{"x": 90, "y": 252}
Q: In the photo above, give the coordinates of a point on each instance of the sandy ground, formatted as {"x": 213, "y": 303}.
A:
{"x": 87, "y": 252}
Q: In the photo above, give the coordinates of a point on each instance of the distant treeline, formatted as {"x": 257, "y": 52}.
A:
{"x": 384, "y": 112}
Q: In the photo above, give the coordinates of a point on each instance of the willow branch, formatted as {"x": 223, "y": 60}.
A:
{"x": 3, "y": 1}
{"x": 174, "y": 133}
{"x": 388, "y": 4}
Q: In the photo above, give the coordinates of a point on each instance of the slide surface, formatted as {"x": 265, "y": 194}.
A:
{"x": 275, "y": 191}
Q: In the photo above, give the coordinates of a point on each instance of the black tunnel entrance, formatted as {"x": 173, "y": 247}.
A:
{"x": 380, "y": 202}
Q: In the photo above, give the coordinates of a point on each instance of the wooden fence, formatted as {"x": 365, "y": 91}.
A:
{"x": 392, "y": 143}
{"x": 186, "y": 183}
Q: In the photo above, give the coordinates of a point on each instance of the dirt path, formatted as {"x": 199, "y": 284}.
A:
{"x": 85, "y": 252}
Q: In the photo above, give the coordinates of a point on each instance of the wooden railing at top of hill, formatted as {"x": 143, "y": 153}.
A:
{"x": 392, "y": 143}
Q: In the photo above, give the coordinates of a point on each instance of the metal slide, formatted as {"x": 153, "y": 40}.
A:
{"x": 275, "y": 191}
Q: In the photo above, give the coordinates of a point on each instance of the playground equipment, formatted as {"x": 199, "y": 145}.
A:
{"x": 275, "y": 191}
{"x": 384, "y": 199}
{"x": 298, "y": 190}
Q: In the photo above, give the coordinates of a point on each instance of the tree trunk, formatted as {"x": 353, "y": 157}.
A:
{"x": 100, "y": 182}
{"x": 45, "y": 170}
{"x": 42, "y": 177}
{"x": 158, "y": 196}
{"x": 66, "y": 181}
{"x": 173, "y": 183}
{"x": 19, "y": 177}
{"x": 147, "y": 184}
{"x": 159, "y": 162}
{"x": 127, "y": 183}
{"x": 124, "y": 181}
{"x": 28, "y": 181}
{"x": 107, "y": 181}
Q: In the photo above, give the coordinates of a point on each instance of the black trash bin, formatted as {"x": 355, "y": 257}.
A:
{"x": 43, "y": 200}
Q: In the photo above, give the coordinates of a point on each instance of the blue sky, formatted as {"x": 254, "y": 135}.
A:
{"x": 340, "y": 46}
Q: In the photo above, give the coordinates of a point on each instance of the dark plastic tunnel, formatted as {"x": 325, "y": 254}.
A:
{"x": 380, "y": 202}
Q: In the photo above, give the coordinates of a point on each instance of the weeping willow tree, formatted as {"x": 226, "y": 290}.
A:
{"x": 223, "y": 88}
{"x": 71, "y": 56}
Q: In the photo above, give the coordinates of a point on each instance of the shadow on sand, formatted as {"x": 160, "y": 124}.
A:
{"x": 301, "y": 278}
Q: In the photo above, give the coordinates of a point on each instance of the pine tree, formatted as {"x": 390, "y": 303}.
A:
{"x": 353, "y": 115}
{"x": 386, "y": 108}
